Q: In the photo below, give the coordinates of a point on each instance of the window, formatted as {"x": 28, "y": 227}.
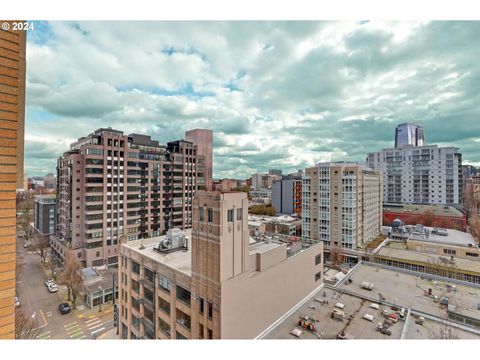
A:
{"x": 164, "y": 305}
{"x": 135, "y": 286}
{"x": 148, "y": 294}
{"x": 200, "y": 331}
{"x": 318, "y": 276}
{"x": 183, "y": 319}
{"x": 210, "y": 334}
{"x": 148, "y": 314}
{"x": 200, "y": 305}
{"x": 210, "y": 309}
{"x": 164, "y": 327}
{"x": 183, "y": 295}
{"x": 318, "y": 259}
{"x": 239, "y": 214}
{"x": 449, "y": 251}
{"x": 136, "y": 267}
{"x": 164, "y": 283}
{"x": 210, "y": 214}
{"x": 472, "y": 254}
{"x": 180, "y": 336}
{"x": 135, "y": 322}
{"x": 230, "y": 215}
{"x": 201, "y": 214}
{"x": 135, "y": 304}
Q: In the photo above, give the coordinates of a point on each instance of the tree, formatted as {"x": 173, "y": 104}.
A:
{"x": 427, "y": 218}
{"x": 41, "y": 244}
{"x": 263, "y": 210}
{"x": 71, "y": 277}
{"x": 51, "y": 266}
{"x": 26, "y": 217}
{"x": 25, "y": 327}
{"x": 245, "y": 189}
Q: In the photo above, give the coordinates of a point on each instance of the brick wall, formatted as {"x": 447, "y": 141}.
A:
{"x": 12, "y": 103}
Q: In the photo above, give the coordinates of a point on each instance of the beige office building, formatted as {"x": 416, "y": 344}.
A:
{"x": 213, "y": 281}
{"x": 341, "y": 205}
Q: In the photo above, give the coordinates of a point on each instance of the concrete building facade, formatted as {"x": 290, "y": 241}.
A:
{"x": 12, "y": 112}
{"x": 112, "y": 188}
{"x": 342, "y": 205}
{"x": 215, "y": 284}
{"x": 287, "y": 196}
{"x": 203, "y": 139}
{"x": 45, "y": 209}
{"x": 420, "y": 175}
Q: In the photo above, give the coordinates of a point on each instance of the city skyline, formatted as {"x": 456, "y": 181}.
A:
{"x": 276, "y": 94}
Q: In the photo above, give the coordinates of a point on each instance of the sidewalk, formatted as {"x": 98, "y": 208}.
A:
{"x": 110, "y": 335}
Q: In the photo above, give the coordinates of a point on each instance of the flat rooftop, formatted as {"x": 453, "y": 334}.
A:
{"x": 396, "y": 288}
{"x": 180, "y": 260}
{"x": 320, "y": 305}
{"x": 286, "y": 219}
{"x": 437, "y": 210}
{"x": 454, "y": 237}
{"x": 397, "y": 250}
{"x": 410, "y": 291}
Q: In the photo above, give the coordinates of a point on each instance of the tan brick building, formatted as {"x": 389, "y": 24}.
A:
{"x": 215, "y": 282}
{"x": 12, "y": 111}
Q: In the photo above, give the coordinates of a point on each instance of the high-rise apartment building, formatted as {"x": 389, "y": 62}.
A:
{"x": 277, "y": 172}
{"x": 409, "y": 135}
{"x": 203, "y": 139}
{"x": 420, "y": 174}
{"x": 45, "y": 208}
{"x": 112, "y": 188}
{"x": 12, "y": 112}
{"x": 287, "y": 196}
{"x": 263, "y": 181}
{"x": 213, "y": 282}
{"x": 341, "y": 204}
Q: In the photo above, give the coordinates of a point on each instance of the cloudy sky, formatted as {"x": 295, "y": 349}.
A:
{"x": 276, "y": 94}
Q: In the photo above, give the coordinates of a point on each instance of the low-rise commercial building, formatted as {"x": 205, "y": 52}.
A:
{"x": 199, "y": 284}
{"x": 282, "y": 224}
{"x": 427, "y": 215}
{"x": 45, "y": 212}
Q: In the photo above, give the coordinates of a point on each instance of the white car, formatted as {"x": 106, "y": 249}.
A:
{"x": 49, "y": 282}
{"x": 52, "y": 288}
{"x": 17, "y": 301}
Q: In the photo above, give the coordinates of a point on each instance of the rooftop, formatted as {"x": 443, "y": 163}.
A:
{"x": 285, "y": 219}
{"x": 397, "y": 251}
{"x": 437, "y": 210}
{"x": 180, "y": 260}
{"x": 396, "y": 288}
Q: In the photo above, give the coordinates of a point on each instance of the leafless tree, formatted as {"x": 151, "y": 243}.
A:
{"x": 70, "y": 276}
{"x": 51, "y": 266}
{"x": 26, "y": 218}
{"x": 41, "y": 245}
{"x": 26, "y": 327}
{"x": 427, "y": 218}
{"x": 444, "y": 267}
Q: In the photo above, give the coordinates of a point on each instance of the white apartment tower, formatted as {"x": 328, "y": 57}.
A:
{"x": 341, "y": 204}
{"x": 420, "y": 174}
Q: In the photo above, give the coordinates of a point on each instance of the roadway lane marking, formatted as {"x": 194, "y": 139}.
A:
{"x": 76, "y": 334}
{"x": 93, "y": 327}
{"x": 45, "y": 335}
{"x": 45, "y": 322}
{"x": 94, "y": 332}
{"x": 91, "y": 320}
{"x": 70, "y": 324}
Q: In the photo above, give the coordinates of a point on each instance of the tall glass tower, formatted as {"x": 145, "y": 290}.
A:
{"x": 409, "y": 135}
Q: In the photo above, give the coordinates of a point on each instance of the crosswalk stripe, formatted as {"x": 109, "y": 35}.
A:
{"x": 72, "y": 327}
{"x": 94, "y": 332}
{"x": 92, "y": 320}
{"x": 70, "y": 324}
{"x": 77, "y": 335}
{"x": 96, "y": 326}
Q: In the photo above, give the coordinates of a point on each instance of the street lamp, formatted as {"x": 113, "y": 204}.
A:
{"x": 101, "y": 297}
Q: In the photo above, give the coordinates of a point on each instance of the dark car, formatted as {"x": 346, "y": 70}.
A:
{"x": 64, "y": 308}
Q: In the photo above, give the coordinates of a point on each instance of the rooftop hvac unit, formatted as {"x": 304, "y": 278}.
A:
{"x": 174, "y": 240}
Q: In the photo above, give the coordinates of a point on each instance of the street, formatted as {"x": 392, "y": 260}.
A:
{"x": 40, "y": 304}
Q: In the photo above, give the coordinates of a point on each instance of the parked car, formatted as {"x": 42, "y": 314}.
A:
{"x": 64, "y": 308}
{"x": 49, "y": 282}
{"x": 53, "y": 288}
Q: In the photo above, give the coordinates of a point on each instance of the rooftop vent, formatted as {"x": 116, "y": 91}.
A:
{"x": 175, "y": 240}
